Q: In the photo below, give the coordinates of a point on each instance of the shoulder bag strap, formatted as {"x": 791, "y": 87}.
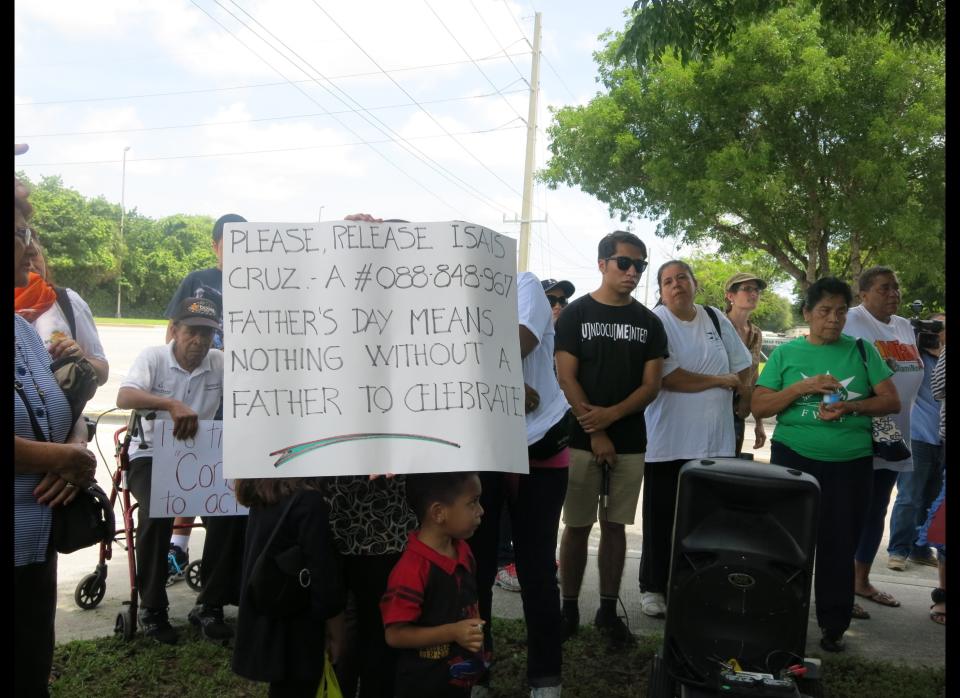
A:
{"x": 63, "y": 300}
{"x": 283, "y": 517}
{"x": 37, "y": 431}
{"x": 863, "y": 358}
{"x": 713, "y": 318}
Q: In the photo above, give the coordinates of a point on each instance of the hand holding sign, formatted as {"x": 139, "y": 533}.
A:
{"x": 188, "y": 474}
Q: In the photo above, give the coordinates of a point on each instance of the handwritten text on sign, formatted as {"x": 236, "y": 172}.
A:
{"x": 188, "y": 475}
{"x": 356, "y": 347}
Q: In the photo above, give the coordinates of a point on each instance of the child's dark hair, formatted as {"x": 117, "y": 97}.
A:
{"x": 423, "y": 489}
{"x": 261, "y": 492}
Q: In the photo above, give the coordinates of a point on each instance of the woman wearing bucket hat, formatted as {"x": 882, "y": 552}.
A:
{"x": 743, "y": 291}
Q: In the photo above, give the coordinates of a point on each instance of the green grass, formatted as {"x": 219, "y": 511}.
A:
{"x": 128, "y": 321}
{"x": 109, "y": 667}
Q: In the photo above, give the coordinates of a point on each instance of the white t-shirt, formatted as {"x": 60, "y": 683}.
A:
{"x": 157, "y": 371}
{"x": 695, "y": 425}
{"x": 536, "y": 315}
{"x": 897, "y": 345}
{"x": 55, "y": 321}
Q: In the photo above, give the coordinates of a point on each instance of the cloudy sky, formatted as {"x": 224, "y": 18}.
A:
{"x": 289, "y": 110}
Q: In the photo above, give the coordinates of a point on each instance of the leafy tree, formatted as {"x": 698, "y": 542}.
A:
{"x": 697, "y": 29}
{"x": 773, "y": 311}
{"x": 161, "y": 254}
{"x": 823, "y": 149}
{"x": 81, "y": 240}
{"x": 78, "y": 241}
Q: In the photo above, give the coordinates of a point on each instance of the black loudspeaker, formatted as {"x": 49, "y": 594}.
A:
{"x": 744, "y": 539}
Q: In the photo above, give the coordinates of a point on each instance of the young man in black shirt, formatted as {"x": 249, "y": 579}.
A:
{"x": 609, "y": 354}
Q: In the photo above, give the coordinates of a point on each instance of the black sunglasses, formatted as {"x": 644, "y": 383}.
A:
{"x": 554, "y": 300}
{"x": 624, "y": 263}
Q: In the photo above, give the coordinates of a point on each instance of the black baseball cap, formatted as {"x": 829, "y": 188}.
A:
{"x": 227, "y": 218}
{"x": 198, "y": 311}
{"x": 565, "y": 286}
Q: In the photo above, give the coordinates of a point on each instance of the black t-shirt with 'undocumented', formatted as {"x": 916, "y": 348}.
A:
{"x": 612, "y": 344}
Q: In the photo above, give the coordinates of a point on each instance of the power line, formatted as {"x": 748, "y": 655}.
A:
{"x": 256, "y": 152}
{"x": 410, "y": 148}
{"x": 337, "y": 119}
{"x": 251, "y": 121}
{"x": 412, "y": 98}
{"x": 467, "y": 54}
{"x": 207, "y": 90}
{"x": 497, "y": 41}
{"x": 545, "y": 57}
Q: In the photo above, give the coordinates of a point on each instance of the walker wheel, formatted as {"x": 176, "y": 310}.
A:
{"x": 126, "y": 624}
{"x": 192, "y": 575}
{"x": 90, "y": 591}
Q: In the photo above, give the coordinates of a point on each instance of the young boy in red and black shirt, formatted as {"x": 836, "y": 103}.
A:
{"x": 430, "y": 610}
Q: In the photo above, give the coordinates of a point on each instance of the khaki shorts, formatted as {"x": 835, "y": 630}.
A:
{"x": 584, "y": 482}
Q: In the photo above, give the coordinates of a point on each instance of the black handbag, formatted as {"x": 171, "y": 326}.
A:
{"x": 555, "y": 440}
{"x": 88, "y": 519}
{"x": 279, "y": 583}
{"x": 85, "y": 521}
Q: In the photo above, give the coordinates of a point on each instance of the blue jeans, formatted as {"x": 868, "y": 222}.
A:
{"x": 915, "y": 493}
{"x": 872, "y": 534}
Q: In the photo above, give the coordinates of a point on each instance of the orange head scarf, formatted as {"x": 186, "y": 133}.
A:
{"x": 34, "y": 299}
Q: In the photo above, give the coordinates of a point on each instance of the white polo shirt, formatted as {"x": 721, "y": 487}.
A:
{"x": 157, "y": 371}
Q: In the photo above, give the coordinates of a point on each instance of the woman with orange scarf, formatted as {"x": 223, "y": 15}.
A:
{"x": 37, "y": 304}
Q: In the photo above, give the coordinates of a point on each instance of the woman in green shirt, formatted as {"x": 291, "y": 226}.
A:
{"x": 824, "y": 395}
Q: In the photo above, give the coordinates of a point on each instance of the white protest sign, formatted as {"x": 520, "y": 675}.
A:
{"x": 187, "y": 477}
{"x": 356, "y": 347}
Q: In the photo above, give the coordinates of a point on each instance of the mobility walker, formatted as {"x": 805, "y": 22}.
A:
{"x": 92, "y": 588}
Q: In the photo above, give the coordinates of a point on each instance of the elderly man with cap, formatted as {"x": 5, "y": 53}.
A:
{"x": 559, "y": 294}
{"x": 183, "y": 382}
{"x": 743, "y": 291}
{"x": 202, "y": 283}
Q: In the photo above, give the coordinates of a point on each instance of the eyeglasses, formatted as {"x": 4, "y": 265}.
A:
{"x": 26, "y": 235}
{"x": 750, "y": 289}
{"x": 555, "y": 300}
{"x": 624, "y": 263}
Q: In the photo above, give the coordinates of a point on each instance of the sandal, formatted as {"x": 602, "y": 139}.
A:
{"x": 938, "y": 617}
{"x": 880, "y": 597}
{"x": 859, "y": 612}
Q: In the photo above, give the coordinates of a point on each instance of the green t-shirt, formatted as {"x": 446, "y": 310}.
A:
{"x": 798, "y": 426}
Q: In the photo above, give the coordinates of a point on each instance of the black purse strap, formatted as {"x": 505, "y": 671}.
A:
{"x": 283, "y": 517}
{"x": 38, "y": 432}
{"x": 863, "y": 358}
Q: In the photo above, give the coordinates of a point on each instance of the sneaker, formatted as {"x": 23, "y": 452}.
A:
{"x": 156, "y": 625}
{"x": 897, "y": 562}
{"x": 832, "y": 642}
{"x": 177, "y": 561}
{"x": 507, "y": 578}
{"x": 614, "y": 629}
{"x": 210, "y": 621}
{"x": 545, "y": 692}
{"x": 929, "y": 560}
{"x": 569, "y": 624}
{"x": 653, "y": 604}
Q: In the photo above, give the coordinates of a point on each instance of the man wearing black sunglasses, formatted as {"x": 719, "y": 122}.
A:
{"x": 609, "y": 355}
{"x": 558, "y": 293}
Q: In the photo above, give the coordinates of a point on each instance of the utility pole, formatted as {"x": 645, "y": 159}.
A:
{"x": 527, "y": 206}
{"x": 123, "y": 214}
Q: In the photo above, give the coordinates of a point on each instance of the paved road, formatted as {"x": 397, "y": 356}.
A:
{"x": 893, "y": 634}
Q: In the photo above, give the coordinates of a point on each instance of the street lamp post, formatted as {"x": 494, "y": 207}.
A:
{"x": 123, "y": 215}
